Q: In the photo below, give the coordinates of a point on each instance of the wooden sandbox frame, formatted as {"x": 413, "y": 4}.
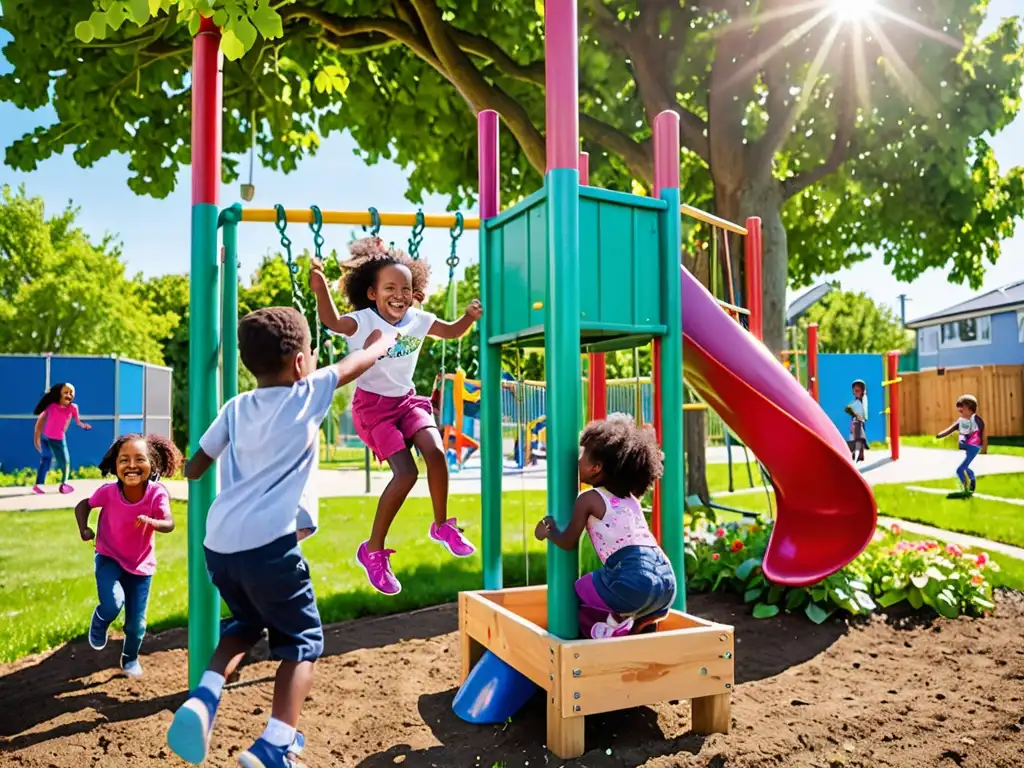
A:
{"x": 686, "y": 658}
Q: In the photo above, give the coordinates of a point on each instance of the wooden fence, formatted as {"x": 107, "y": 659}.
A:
{"x": 928, "y": 400}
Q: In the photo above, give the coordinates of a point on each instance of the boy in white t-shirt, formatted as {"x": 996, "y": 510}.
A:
{"x": 381, "y": 285}
{"x": 266, "y": 444}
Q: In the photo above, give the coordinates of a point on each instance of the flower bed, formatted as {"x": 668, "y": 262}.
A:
{"x": 890, "y": 571}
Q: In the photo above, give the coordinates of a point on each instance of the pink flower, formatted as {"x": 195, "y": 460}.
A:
{"x": 737, "y": 545}
{"x": 933, "y": 545}
{"x": 715, "y": 556}
{"x": 720, "y": 532}
{"x": 954, "y": 550}
{"x": 982, "y": 560}
{"x": 896, "y": 530}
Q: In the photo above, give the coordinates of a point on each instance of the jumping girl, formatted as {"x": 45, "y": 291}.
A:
{"x": 971, "y": 438}
{"x": 132, "y": 509}
{"x": 381, "y": 285}
{"x": 621, "y": 461}
{"x": 55, "y": 410}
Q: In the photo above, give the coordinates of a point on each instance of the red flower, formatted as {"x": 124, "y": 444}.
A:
{"x": 977, "y": 581}
{"x": 982, "y": 560}
{"x": 896, "y": 530}
{"x": 715, "y": 556}
{"x": 954, "y": 550}
{"x": 737, "y": 545}
{"x": 720, "y": 532}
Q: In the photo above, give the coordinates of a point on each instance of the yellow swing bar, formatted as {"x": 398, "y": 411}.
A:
{"x": 358, "y": 218}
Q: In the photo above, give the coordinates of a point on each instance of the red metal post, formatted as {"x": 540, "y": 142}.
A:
{"x": 753, "y": 250}
{"x": 597, "y": 390}
{"x": 812, "y": 360}
{"x": 893, "y": 375}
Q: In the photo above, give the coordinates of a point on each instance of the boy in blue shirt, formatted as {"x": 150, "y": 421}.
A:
{"x": 267, "y": 443}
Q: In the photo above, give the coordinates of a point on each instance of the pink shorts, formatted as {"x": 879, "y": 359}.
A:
{"x": 387, "y": 424}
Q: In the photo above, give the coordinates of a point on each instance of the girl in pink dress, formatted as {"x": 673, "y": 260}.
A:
{"x": 55, "y": 410}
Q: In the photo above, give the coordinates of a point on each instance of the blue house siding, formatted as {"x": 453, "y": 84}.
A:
{"x": 1005, "y": 348}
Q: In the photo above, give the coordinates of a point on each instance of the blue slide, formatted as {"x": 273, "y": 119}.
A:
{"x": 493, "y": 692}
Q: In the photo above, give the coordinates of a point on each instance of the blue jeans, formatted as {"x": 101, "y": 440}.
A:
{"x": 54, "y": 449}
{"x": 117, "y": 588}
{"x": 963, "y": 472}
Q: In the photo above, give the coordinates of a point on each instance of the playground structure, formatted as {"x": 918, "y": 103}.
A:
{"x": 582, "y": 269}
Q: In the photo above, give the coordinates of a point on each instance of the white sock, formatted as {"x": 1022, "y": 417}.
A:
{"x": 279, "y": 734}
{"x": 212, "y": 682}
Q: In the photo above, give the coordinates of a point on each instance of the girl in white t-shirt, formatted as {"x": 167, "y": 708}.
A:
{"x": 381, "y": 285}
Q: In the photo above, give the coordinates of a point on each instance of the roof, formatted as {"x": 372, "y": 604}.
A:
{"x": 1005, "y": 298}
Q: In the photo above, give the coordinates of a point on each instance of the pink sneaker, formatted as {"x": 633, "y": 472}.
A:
{"x": 378, "y": 569}
{"x": 449, "y": 536}
{"x": 65, "y": 488}
{"x": 37, "y": 490}
{"x": 611, "y": 628}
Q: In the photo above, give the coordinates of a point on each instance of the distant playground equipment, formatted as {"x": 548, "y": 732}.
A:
{"x": 571, "y": 268}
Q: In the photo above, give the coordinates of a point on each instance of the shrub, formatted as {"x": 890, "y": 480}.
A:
{"x": 891, "y": 570}
{"x": 27, "y": 477}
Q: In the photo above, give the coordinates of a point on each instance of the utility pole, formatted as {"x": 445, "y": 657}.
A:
{"x": 903, "y": 309}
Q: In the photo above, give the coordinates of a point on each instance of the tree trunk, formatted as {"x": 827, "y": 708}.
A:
{"x": 764, "y": 198}
{"x": 696, "y": 438}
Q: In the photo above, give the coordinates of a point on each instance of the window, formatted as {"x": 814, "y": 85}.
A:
{"x": 1020, "y": 326}
{"x": 928, "y": 341}
{"x": 969, "y": 332}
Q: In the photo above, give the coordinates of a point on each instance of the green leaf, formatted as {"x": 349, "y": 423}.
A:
{"x": 983, "y": 603}
{"x": 140, "y": 11}
{"x": 220, "y": 18}
{"x": 765, "y": 611}
{"x": 892, "y": 597}
{"x": 816, "y": 613}
{"x": 863, "y": 599}
{"x": 155, "y": 7}
{"x": 915, "y": 597}
{"x": 83, "y": 31}
{"x": 774, "y": 594}
{"x": 244, "y": 31}
{"x": 747, "y": 567}
{"x": 795, "y": 599}
{"x": 193, "y": 26}
{"x": 322, "y": 82}
{"x": 753, "y": 594}
{"x": 267, "y": 21}
{"x": 99, "y": 25}
{"x": 232, "y": 47}
{"x": 947, "y": 605}
{"x": 116, "y": 16}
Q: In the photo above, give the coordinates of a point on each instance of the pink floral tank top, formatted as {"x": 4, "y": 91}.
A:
{"x": 623, "y": 525}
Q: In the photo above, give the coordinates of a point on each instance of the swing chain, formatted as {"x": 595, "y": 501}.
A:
{"x": 456, "y": 232}
{"x": 316, "y": 225}
{"x": 416, "y": 238}
{"x": 374, "y": 223}
{"x": 282, "y": 225}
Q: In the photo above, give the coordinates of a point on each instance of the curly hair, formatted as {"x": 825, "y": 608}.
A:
{"x": 163, "y": 455}
{"x": 52, "y": 396}
{"x": 368, "y": 256}
{"x": 268, "y": 337}
{"x": 629, "y": 455}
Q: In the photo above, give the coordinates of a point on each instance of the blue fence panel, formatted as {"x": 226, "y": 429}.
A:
{"x": 127, "y": 426}
{"x": 16, "y": 448}
{"x": 836, "y": 374}
{"x": 93, "y": 378}
{"x": 130, "y": 387}
{"x": 87, "y": 447}
{"x": 24, "y": 381}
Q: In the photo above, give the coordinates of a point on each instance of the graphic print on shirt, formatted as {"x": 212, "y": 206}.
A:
{"x": 404, "y": 346}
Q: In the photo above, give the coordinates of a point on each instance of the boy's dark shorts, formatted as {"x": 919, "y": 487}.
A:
{"x": 270, "y": 588}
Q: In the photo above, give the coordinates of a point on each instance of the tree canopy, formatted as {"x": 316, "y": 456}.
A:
{"x": 857, "y": 133}
{"x": 61, "y": 293}
{"x": 850, "y": 322}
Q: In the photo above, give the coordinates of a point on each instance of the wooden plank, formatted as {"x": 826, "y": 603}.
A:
{"x": 524, "y": 646}
{"x": 531, "y": 603}
{"x": 928, "y": 400}
{"x": 625, "y": 672}
{"x": 712, "y": 714}
{"x": 565, "y": 731}
{"x": 471, "y": 650}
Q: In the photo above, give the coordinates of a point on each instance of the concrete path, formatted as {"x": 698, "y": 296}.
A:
{"x": 962, "y": 540}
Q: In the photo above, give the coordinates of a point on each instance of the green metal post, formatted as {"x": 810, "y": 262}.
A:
{"x": 490, "y": 358}
{"x": 673, "y": 484}
{"x": 203, "y": 600}
{"x": 229, "y": 220}
{"x": 562, "y": 373}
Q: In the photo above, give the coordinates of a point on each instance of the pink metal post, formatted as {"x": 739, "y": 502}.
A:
{"x": 487, "y": 146}
{"x": 753, "y": 270}
{"x": 207, "y": 98}
{"x": 598, "y": 389}
{"x": 561, "y": 77}
{"x": 584, "y": 169}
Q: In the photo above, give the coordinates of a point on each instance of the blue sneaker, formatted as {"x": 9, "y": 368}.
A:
{"x": 189, "y": 734}
{"x": 98, "y": 631}
{"x": 263, "y": 754}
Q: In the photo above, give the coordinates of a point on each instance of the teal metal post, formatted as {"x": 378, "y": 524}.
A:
{"x": 207, "y": 101}
{"x": 673, "y": 484}
{"x": 490, "y": 358}
{"x": 229, "y": 220}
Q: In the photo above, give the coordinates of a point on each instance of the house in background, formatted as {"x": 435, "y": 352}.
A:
{"x": 985, "y": 330}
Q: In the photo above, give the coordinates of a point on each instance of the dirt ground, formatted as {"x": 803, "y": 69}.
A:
{"x": 891, "y": 691}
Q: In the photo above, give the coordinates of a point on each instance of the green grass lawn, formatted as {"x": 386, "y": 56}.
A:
{"x": 1008, "y": 486}
{"x": 47, "y": 589}
{"x": 1007, "y": 446}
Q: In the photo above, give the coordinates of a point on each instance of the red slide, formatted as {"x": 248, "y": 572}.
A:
{"x": 826, "y": 513}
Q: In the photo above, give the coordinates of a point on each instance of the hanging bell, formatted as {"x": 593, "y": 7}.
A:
{"x": 248, "y": 191}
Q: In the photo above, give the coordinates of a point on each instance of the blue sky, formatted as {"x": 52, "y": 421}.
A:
{"x": 155, "y": 233}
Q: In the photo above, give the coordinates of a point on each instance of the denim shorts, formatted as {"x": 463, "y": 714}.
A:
{"x": 270, "y": 588}
{"x": 636, "y": 581}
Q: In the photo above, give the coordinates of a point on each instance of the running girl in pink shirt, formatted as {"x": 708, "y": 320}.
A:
{"x": 132, "y": 510}
{"x": 55, "y": 410}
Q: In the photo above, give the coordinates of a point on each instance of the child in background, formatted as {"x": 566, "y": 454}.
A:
{"x": 858, "y": 411}
{"x": 267, "y": 442}
{"x": 55, "y": 410}
{"x": 132, "y": 510}
{"x": 621, "y": 461}
{"x": 972, "y": 438}
{"x": 381, "y": 285}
